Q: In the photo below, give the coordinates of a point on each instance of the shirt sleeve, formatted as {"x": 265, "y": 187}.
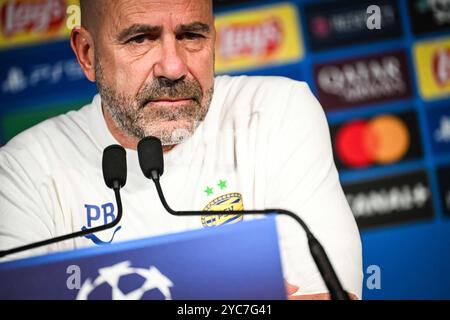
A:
{"x": 303, "y": 179}
{"x": 23, "y": 218}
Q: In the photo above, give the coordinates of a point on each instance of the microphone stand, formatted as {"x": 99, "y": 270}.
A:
{"x": 82, "y": 233}
{"x": 318, "y": 253}
{"x": 114, "y": 173}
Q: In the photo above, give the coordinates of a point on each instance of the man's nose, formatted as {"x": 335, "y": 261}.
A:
{"x": 171, "y": 64}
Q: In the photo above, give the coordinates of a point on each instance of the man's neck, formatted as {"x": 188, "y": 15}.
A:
{"x": 124, "y": 140}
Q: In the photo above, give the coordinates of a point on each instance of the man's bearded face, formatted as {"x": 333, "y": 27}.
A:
{"x": 169, "y": 110}
{"x": 154, "y": 66}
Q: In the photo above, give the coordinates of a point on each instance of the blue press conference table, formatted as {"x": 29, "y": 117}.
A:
{"x": 239, "y": 261}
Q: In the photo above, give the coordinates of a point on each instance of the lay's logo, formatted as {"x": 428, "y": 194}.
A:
{"x": 441, "y": 67}
{"x": 257, "y": 38}
{"x": 432, "y": 60}
{"x": 27, "y": 21}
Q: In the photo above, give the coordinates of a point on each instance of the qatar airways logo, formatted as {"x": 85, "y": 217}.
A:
{"x": 377, "y": 78}
{"x": 363, "y": 79}
{"x": 250, "y": 39}
{"x": 32, "y": 16}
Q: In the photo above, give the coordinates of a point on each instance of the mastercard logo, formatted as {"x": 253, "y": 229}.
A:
{"x": 381, "y": 140}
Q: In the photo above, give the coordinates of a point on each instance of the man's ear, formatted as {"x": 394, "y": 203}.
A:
{"x": 82, "y": 44}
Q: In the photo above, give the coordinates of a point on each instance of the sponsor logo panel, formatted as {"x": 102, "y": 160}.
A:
{"x": 444, "y": 186}
{"x": 380, "y": 140}
{"x": 46, "y": 70}
{"x": 258, "y": 38}
{"x": 225, "y": 3}
{"x": 429, "y": 15}
{"x": 363, "y": 80}
{"x": 391, "y": 200}
{"x": 432, "y": 60}
{"x": 439, "y": 129}
{"x": 31, "y": 21}
{"x": 340, "y": 23}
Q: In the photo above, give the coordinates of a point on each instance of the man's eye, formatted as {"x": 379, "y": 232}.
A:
{"x": 191, "y": 36}
{"x": 138, "y": 39}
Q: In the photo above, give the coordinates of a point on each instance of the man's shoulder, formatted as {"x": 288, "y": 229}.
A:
{"x": 270, "y": 97}
{"x": 50, "y": 133}
{"x": 260, "y": 92}
{"x": 268, "y": 85}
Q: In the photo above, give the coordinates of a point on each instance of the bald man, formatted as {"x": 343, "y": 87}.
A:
{"x": 257, "y": 141}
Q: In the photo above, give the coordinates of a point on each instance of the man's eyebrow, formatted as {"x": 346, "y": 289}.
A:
{"x": 193, "y": 27}
{"x": 137, "y": 29}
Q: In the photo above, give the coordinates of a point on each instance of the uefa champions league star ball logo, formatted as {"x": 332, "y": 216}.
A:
{"x": 123, "y": 282}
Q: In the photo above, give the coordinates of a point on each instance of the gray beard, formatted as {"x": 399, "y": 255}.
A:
{"x": 136, "y": 118}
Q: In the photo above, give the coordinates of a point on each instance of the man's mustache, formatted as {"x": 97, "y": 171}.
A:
{"x": 176, "y": 90}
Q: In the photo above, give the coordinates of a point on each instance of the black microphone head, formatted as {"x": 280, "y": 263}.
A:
{"x": 150, "y": 154}
{"x": 114, "y": 165}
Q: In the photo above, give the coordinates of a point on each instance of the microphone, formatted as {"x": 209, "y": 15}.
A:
{"x": 151, "y": 160}
{"x": 114, "y": 166}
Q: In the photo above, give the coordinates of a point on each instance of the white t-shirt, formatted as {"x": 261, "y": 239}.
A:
{"x": 264, "y": 143}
